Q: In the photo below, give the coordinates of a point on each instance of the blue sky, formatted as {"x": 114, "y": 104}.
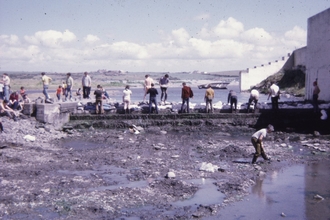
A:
{"x": 150, "y": 35}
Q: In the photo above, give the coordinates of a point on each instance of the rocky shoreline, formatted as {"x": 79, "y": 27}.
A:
{"x": 91, "y": 173}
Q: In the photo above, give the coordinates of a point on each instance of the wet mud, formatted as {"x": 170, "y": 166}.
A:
{"x": 159, "y": 174}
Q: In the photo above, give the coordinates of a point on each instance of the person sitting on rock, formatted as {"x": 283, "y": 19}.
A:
{"x": 24, "y": 101}
{"x": 5, "y": 110}
{"x": 22, "y": 91}
{"x": 13, "y": 101}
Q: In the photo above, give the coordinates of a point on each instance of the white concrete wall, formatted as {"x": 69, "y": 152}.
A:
{"x": 253, "y": 76}
{"x": 318, "y": 55}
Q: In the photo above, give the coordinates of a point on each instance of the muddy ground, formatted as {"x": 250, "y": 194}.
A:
{"x": 114, "y": 174}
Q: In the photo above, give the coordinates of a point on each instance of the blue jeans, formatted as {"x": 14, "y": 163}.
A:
{"x": 183, "y": 102}
{"x": 153, "y": 100}
{"x": 45, "y": 91}
{"x": 6, "y": 93}
{"x": 68, "y": 90}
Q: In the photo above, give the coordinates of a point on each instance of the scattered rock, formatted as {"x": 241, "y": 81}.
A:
{"x": 170, "y": 175}
{"x": 29, "y": 138}
{"x": 318, "y": 197}
{"x": 209, "y": 167}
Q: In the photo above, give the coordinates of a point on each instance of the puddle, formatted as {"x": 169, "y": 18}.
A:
{"x": 290, "y": 191}
{"x": 115, "y": 177}
{"x": 206, "y": 195}
{"x": 81, "y": 145}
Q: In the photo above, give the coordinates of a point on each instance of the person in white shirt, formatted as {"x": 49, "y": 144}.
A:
{"x": 127, "y": 99}
{"x": 86, "y": 85}
{"x": 257, "y": 141}
{"x": 254, "y": 97}
{"x": 274, "y": 93}
{"x": 69, "y": 86}
{"x": 6, "y": 86}
{"x": 45, "y": 81}
{"x": 147, "y": 85}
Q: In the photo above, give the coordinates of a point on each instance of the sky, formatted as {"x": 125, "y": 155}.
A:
{"x": 150, "y": 35}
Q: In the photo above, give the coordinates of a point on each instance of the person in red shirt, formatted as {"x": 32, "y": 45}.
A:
{"x": 13, "y": 100}
{"x": 185, "y": 95}
{"x": 59, "y": 92}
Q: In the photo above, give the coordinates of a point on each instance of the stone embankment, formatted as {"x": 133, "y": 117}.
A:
{"x": 287, "y": 120}
{"x": 297, "y": 117}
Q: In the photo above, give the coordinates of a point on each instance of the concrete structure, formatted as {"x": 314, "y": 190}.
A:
{"x": 318, "y": 55}
{"x": 253, "y": 76}
{"x": 57, "y": 114}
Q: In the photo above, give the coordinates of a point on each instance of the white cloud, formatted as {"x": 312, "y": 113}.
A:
{"x": 222, "y": 47}
{"x": 9, "y": 39}
{"x": 50, "y": 38}
{"x": 257, "y": 36}
{"x": 230, "y": 28}
{"x": 180, "y": 36}
{"x": 91, "y": 38}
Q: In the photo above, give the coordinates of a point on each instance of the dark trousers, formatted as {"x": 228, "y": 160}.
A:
{"x": 255, "y": 103}
{"x": 164, "y": 93}
{"x": 233, "y": 101}
{"x": 99, "y": 106}
{"x": 275, "y": 102}
{"x": 183, "y": 102}
{"x": 209, "y": 105}
{"x": 315, "y": 104}
{"x": 86, "y": 92}
{"x": 153, "y": 100}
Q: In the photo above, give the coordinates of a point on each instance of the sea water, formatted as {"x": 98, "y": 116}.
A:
{"x": 174, "y": 95}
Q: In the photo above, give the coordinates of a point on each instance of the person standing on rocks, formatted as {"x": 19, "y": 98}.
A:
{"x": 257, "y": 141}
{"x": 58, "y": 93}
{"x": 232, "y": 98}
{"x": 152, "y": 98}
{"x": 98, "y": 100}
{"x": 209, "y": 96}
{"x": 274, "y": 93}
{"x": 316, "y": 91}
{"x": 186, "y": 94}
{"x": 6, "y": 86}
{"x": 69, "y": 86}
{"x": 45, "y": 81}
{"x": 86, "y": 85}
{"x": 127, "y": 99}
{"x": 254, "y": 97}
{"x": 147, "y": 85}
{"x": 163, "y": 82}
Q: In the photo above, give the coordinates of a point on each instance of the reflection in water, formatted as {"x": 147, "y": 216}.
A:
{"x": 317, "y": 182}
{"x": 290, "y": 191}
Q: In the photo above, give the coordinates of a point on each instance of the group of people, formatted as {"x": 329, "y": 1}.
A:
{"x": 12, "y": 102}
{"x": 67, "y": 86}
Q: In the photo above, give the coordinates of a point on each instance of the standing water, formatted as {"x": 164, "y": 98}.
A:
{"x": 298, "y": 192}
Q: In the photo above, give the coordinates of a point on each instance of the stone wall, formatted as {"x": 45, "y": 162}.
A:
{"x": 318, "y": 55}
{"x": 253, "y": 76}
